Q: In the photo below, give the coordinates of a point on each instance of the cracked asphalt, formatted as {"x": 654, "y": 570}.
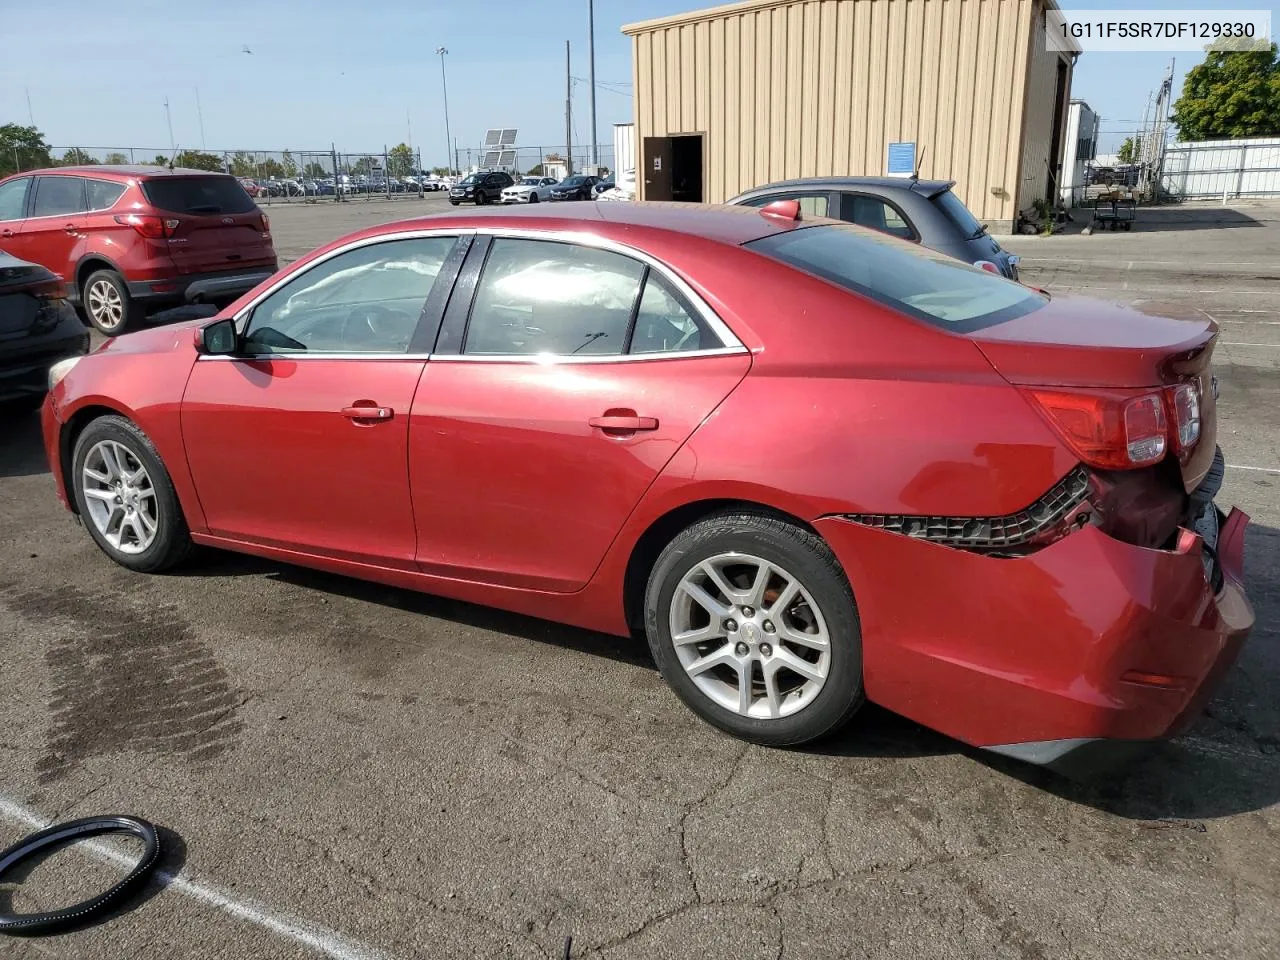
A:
{"x": 350, "y": 770}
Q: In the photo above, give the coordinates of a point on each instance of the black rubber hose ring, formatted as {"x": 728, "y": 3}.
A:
{"x": 55, "y": 920}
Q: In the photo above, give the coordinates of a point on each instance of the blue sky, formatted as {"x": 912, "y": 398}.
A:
{"x": 333, "y": 70}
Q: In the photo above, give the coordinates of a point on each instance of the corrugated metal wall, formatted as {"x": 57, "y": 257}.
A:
{"x": 1042, "y": 86}
{"x": 820, "y": 87}
{"x": 1214, "y": 168}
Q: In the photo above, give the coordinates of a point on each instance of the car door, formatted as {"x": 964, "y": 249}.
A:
{"x": 50, "y": 234}
{"x": 877, "y": 213}
{"x": 13, "y": 211}
{"x": 300, "y": 439}
{"x": 566, "y": 377}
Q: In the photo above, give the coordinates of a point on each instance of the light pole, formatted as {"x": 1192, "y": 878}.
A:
{"x": 444, "y": 85}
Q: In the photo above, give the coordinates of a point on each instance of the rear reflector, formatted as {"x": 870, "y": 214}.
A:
{"x": 1108, "y": 429}
{"x": 1161, "y": 680}
{"x": 156, "y": 228}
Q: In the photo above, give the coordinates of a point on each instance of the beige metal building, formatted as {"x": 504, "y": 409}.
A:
{"x": 738, "y": 96}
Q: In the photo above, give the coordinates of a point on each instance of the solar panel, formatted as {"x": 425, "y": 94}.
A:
{"x": 491, "y": 158}
{"x": 507, "y": 137}
{"x": 507, "y": 158}
{"x": 491, "y": 138}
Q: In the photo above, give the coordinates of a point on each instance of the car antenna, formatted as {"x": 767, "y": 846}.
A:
{"x": 915, "y": 174}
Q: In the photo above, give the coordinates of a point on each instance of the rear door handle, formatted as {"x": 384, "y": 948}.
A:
{"x": 368, "y": 413}
{"x": 620, "y": 423}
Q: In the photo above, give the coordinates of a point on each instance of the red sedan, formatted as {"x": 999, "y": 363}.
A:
{"x": 814, "y": 464}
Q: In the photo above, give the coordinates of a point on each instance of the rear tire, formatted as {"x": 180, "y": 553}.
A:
{"x": 107, "y": 303}
{"x": 797, "y": 640}
{"x": 150, "y": 494}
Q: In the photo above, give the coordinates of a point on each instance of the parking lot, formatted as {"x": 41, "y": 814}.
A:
{"x": 349, "y": 770}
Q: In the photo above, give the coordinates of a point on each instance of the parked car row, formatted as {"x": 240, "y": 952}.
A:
{"x": 345, "y": 184}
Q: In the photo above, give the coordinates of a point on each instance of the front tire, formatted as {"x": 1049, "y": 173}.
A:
{"x": 533, "y": 198}
{"x": 125, "y": 497}
{"x": 107, "y": 303}
{"x": 753, "y": 625}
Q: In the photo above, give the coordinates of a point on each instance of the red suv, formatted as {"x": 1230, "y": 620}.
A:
{"x": 131, "y": 240}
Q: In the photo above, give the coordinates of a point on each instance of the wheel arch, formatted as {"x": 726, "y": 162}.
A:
{"x": 91, "y": 263}
{"x": 70, "y": 432}
{"x": 661, "y": 531}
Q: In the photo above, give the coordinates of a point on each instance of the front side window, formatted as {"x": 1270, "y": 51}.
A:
{"x": 918, "y": 282}
{"x": 13, "y": 199}
{"x": 811, "y": 204}
{"x": 543, "y": 297}
{"x": 57, "y": 196}
{"x": 367, "y": 300}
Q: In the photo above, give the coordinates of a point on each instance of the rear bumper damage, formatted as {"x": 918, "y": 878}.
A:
{"x": 1065, "y": 656}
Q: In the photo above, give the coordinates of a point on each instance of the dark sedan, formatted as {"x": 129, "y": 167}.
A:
{"x": 38, "y": 328}
{"x": 924, "y": 211}
{"x": 577, "y": 187}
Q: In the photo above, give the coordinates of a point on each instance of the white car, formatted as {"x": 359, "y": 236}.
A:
{"x": 529, "y": 190}
{"x": 625, "y": 189}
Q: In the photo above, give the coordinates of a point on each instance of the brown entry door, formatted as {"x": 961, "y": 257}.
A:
{"x": 657, "y": 168}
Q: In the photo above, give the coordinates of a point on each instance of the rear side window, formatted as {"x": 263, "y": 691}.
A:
{"x": 953, "y": 209}
{"x": 102, "y": 194}
{"x": 199, "y": 195}
{"x": 930, "y": 287}
{"x": 13, "y": 199}
{"x": 58, "y": 195}
{"x": 877, "y": 214}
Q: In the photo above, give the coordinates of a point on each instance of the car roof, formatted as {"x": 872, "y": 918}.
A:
{"x": 926, "y": 188}
{"x": 126, "y": 170}
{"x": 723, "y": 224}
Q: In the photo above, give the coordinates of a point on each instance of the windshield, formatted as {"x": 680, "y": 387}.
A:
{"x": 530, "y": 182}
{"x": 955, "y": 211}
{"x": 928, "y": 286}
{"x": 474, "y": 178}
{"x": 573, "y": 182}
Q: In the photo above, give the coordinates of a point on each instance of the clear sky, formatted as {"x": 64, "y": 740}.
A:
{"x": 324, "y": 71}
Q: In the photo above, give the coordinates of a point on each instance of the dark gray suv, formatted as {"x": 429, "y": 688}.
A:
{"x": 481, "y": 188}
{"x": 923, "y": 211}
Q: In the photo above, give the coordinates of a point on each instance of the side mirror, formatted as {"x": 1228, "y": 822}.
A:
{"x": 218, "y": 339}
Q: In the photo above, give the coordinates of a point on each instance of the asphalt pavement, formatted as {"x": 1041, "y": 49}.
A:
{"x": 348, "y": 770}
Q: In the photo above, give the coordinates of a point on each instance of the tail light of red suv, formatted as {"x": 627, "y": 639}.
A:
{"x": 152, "y": 227}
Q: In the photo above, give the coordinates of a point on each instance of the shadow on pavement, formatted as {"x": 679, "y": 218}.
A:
{"x": 21, "y": 446}
{"x": 1167, "y": 219}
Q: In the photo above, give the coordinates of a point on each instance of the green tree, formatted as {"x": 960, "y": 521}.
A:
{"x": 313, "y": 170}
{"x": 161, "y": 160}
{"x": 440, "y": 171}
{"x": 75, "y": 157}
{"x": 1127, "y": 151}
{"x": 288, "y": 165}
{"x": 1231, "y": 94}
{"x": 364, "y": 165}
{"x": 22, "y": 148}
{"x": 272, "y": 168}
{"x": 198, "y": 160}
{"x": 244, "y": 164}
{"x": 116, "y": 158}
{"x": 400, "y": 160}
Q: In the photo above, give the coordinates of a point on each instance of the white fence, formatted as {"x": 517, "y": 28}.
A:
{"x": 1217, "y": 169}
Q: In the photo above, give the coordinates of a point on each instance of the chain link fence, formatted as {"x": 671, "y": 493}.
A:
{"x": 333, "y": 175}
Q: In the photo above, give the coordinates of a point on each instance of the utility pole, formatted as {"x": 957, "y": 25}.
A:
{"x": 200, "y": 117}
{"x": 568, "y": 115}
{"x": 444, "y": 86}
{"x": 591, "y": 76}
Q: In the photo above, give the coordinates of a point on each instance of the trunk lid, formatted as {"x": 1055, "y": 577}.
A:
{"x": 1077, "y": 342}
{"x": 219, "y": 227}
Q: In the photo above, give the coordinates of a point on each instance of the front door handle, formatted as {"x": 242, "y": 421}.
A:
{"x": 623, "y": 424}
{"x": 356, "y": 412}
{"x": 6, "y": 232}
{"x": 69, "y": 228}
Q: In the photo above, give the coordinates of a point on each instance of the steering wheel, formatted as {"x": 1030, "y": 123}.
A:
{"x": 378, "y": 324}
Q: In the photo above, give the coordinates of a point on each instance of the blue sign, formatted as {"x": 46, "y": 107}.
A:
{"x": 902, "y": 159}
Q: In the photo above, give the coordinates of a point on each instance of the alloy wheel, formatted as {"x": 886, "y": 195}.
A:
{"x": 120, "y": 497}
{"x": 106, "y": 306}
{"x": 750, "y": 636}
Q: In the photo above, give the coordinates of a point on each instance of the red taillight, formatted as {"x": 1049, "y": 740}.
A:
{"x": 266, "y": 225}
{"x": 1109, "y": 429}
{"x": 155, "y": 228}
{"x": 988, "y": 266}
{"x": 1184, "y": 403}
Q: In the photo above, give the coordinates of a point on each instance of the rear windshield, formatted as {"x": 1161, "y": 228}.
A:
{"x": 954, "y": 209}
{"x": 920, "y": 283}
{"x": 198, "y": 195}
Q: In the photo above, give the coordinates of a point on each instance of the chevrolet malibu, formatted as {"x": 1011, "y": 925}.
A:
{"x": 814, "y": 464}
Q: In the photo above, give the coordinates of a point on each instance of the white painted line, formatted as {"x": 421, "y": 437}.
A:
{"x": 1164, "y": 263}
{"x": 1240, "y": 343}
{"x": 1241, "y": 466}
{"x": 1254, "y": 323}
{"x": 300, "y": 931}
